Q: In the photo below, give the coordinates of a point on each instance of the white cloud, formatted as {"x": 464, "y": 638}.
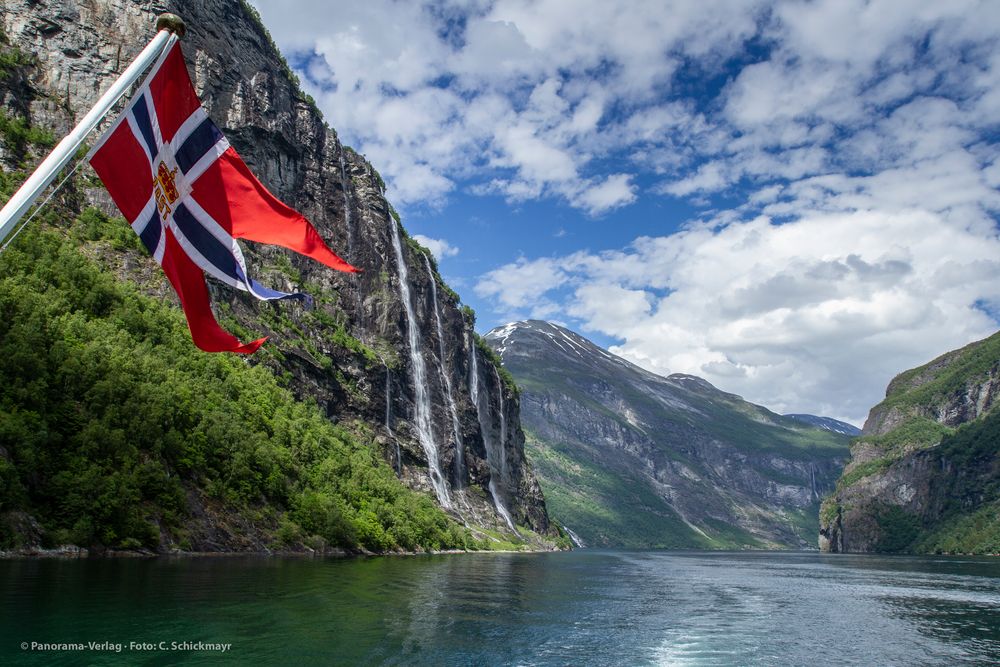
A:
{"x": 515, "y": 94}
{"x": 708, "y": 178}
{"x": 817, "y": 315}
{"x": 615, "y": 191}
{"x": 521, "y": 286}
{"x": 855, "y": 141}
{"x": 440, "y": 248}
{"x": 523, "y": 96}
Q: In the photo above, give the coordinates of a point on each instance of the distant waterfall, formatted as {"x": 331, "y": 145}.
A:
{"x": 504, "y": 472}
{"x": 574, "y": 537}
{"x": 449, "y": 393}
{"x": 422, "y": 397}
{"x": 348, "y": 222}
{"x": 487, "y": 435}
{"x": 388, "y": 417}
{"x": 388, "y": 399}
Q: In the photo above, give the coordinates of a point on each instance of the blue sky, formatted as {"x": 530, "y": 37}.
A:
{"x": 794, "y": 200}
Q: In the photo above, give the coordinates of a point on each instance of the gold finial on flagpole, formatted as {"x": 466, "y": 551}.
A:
{"x": 171, "y": 22}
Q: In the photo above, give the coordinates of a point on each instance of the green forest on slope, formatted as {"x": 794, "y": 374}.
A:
{"x": 969, "y": 520}
{"x": 113, "y": 425}
{"x": 109, "y": 416}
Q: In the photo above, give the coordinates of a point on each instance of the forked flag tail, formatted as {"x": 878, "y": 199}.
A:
{"x": 189, "y": 196}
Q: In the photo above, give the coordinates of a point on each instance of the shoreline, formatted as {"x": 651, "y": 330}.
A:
{"x": 70, "y": 552}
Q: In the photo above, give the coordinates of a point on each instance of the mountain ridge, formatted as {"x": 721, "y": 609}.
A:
{"x": 828, "y": 423}
{"x": 695, "y": 466}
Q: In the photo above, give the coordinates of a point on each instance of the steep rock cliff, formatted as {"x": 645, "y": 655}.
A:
{"x": 925, "y": 474}
{"x": 389, "y": 348}
{"x": 630, "y": 458}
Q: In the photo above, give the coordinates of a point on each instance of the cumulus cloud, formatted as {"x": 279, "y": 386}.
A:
{"x": 525, "y": 98}
{"x": 440, "y": 248}
{"x": 817, "y": 314}
{"x": 521, "y": 286}
{"x": 840, "y": 157}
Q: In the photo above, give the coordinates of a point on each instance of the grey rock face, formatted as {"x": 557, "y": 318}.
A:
{"x": 902, "y": 484}
{"x": 706, "y": 456}
{"x": 81, "y": 46}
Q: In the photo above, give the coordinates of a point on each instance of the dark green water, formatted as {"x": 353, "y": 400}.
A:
{"x": 580, "y": 608}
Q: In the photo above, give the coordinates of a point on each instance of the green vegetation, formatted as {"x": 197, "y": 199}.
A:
{"x": 417, "y": 248}
{"x": 381, "y": 187}
{"x": 110, "y": 419}
{"x": 283, "y": 264}
{"x": 963, "y": 464}
{"x": 335, "y": 332}
{"x": 966, "y": 495}
{"x": 493, "y": 358}
{"x": 828, "y": 510}
{"x": 975, "y": 445}
{"x": 863, "y": 470}
{"x": 115, "y": 431}
{"x": 11, "y": 59}
{"x": 728, "y": 536}
{"x": 595, "y": 498}
{"x": 734, "y": 420}
{"x": 975, "y": 533}
{"x": 394, "y": 214}
{"x": 971, "y": 484}
{"x": 944, "y": 377}
{"x": 805, "y": 522}
{"x": 592, "y": 499}
{"x": 914, "y": 433}
{"x": 897, "y": 529}
{"x": 18, "y": 134}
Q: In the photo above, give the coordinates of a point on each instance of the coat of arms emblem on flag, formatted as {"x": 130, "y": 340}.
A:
{"x": 189, "y": 196}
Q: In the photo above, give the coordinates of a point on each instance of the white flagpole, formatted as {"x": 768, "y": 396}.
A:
{"x": 22, "y": 200}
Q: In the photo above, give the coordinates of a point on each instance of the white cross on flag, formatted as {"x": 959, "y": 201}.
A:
{"x": 189, "y": 196}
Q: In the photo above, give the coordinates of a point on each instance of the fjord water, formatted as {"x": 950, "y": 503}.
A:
{"x": 579, "y": 608}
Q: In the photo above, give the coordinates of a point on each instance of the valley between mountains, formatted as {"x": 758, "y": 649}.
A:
{"x": 381, "y": 421}
{"x": 629, "y": 458}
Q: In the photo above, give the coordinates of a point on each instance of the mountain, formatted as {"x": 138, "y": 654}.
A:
{"x": 630, "y": 458}
{"x": 925, "y": 474}
{"x": 388, "y": 359}
{"x": 828, "y": 424}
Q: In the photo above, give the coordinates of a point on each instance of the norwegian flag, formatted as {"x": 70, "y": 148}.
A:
{"x": 189, "y": 196}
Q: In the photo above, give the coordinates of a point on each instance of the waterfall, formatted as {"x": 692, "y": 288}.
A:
{"x": 487, "y": 436}
{"x": 502, "y": 449}
{"x": 347, "y": 207}
{"x": 422, "y": 401}
{"x": 574, "y": 537}
{"x": 388, "y": 417}
{"x": 388, "y": 399}
{"x": 504, "y": 473}
{"x": 449, "y": 393}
